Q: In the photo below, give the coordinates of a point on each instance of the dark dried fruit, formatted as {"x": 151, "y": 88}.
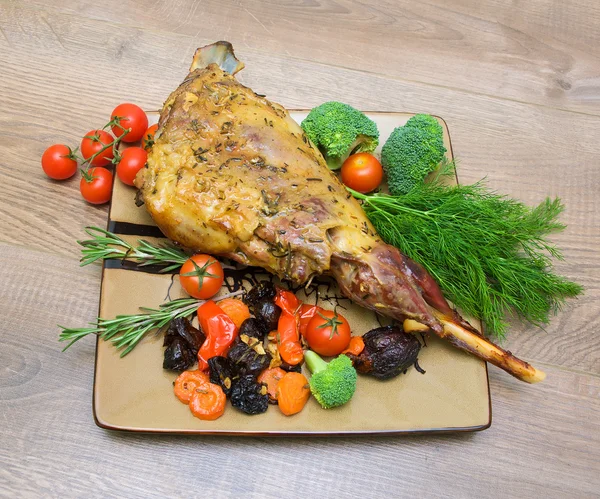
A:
{"x": 291, "y": 369}
{"x": 246, "y": 361}
{"x": 267, "y": 314}
{"x": 249, "y": 396}
{"x": 183, "y": 342}
{"x": 264, "y": 290}
{"x": 253, "y": 328}
{"x": 221, "y": 373}
{"x": 388, "y": 352}
{"x": 178, "y": 356}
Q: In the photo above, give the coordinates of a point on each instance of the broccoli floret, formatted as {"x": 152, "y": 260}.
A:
{"x": 332, "y": 383}
{"x": 411, "y": 152}
{"x": 339, "y": 130}
{"x": 427, "y": 123}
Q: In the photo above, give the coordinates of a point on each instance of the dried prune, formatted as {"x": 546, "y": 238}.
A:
{"x": 268, "y": 315}
{"x": 264, "y": 290}
{"x": 290, "y": 368}
{"x": 253, "y": 328}
{"x": 183, "y": 342}
{"x": 178, "y": 356}
{"x": 388, "y": 352}
{"x": 246, "y": 361}
{"x": 249, "y": 396}
{"x": 221, "y": 373}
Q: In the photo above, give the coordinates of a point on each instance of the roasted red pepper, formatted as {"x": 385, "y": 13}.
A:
{"x": 307, "y": 312}
{"x": 288, "y": 336}
{"x": 220, "y": 332}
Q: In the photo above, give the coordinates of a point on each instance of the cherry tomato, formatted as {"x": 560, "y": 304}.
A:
{"x": 58, "y": 162}
{"x": 93, "y": 142}
{"x": 148, "y": 140}
{"x": 132, "y": 161}
{"x": 362, "y": 172}
{"x": 96, "y": 185}
{"x": 201, "y": 276}
{"x": 132, "y": 117}
{"x": 328, "y": 333}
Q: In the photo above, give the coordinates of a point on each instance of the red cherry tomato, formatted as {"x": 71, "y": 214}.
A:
{"x": 58, "y": 162}
{"x": 362, "y": 172}
{"x": 328, "y": 333}
{"x": 201, "y": 276}
{"x": 132, "y": 161}
{"x": 132, "y": 117}
{"x": 93, "y": 142}
{"x": 96, "y": 185}
{"x": 148, "y": 140}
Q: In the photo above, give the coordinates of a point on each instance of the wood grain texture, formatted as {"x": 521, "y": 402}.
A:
{"x": 519, "y": 86}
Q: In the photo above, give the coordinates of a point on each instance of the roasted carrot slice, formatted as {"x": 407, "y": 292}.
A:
{"x": 293, "y": 391}
{"x": 271, "y": 377}
{"x": 208, "y": 402}
{"x": 187, "y": 382}
{"x": 236, "y": 309}
{"x": 356, "y": 346}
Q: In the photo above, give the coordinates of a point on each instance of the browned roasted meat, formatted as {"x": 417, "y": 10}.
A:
{"x": 232, "y": 174}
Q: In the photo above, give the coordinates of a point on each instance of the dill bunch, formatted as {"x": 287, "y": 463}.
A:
{"x": 488, "y": 252}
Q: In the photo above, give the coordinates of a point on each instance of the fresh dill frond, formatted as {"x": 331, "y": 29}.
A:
{"x": 489, "y": 253}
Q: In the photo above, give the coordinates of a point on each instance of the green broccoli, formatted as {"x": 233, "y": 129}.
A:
{"x": 332, "y": 383}
{"x": 412, "y": 152}
{"x": 339, "y": 130}
{"x": 427, "y": 123}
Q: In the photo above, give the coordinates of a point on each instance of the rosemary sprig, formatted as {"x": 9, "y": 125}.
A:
{"x": 126, "y": 331}
{"x": 105, "y": 245}
{"x": 489, "y": 253}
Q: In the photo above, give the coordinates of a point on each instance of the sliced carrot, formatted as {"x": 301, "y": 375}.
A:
{"x": 356, "y": 346}
{"x": 236, "y": 309}
{"x": 291, "y": 352}
{"x": 187, "y": 382}
{"x": 271, "y": 377}
{"x": 293, "y": 391}
{"x": 208, "y": 402}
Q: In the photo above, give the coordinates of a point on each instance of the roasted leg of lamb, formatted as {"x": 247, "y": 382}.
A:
{"x": 232, "y": 174}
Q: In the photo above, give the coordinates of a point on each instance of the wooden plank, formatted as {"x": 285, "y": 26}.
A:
{"x": 543, "y": 52}
{"x": 544, "y": 442}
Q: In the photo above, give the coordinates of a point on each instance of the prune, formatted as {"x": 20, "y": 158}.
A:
{"x": 246, "y": 361}
{"x": 291, "y": 369}
{"x": 253, "y": 328}
{"x": 183, "y": 342}
{"x": 221, "y": 373}
{"x": 388, "y": 352}
{"x": 178, "y": 356}
{"x": 249, "y": 396}
{"x": 182, "y": 327}
{"x": 264, "y": 290}
{"x": 268, "y": 315}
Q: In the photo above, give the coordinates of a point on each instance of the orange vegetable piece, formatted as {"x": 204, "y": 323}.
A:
{"x": 236, "y": 309}
{"x": 208, "y": 402}
{"x": 293, "y": 392}
{"x": 288, "y": 336}
{"x": 271, "y": 377}
{"x": 356, "y": 346}
{"x": 187, "y": 382}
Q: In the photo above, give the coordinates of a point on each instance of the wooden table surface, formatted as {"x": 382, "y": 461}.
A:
{"x": 519, "y": 86}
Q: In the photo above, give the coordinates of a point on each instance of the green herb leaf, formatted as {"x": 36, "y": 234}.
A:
{"x": 489, "y": 253}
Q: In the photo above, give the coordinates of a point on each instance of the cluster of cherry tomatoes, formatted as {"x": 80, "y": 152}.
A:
{"x": 100, "y": 149}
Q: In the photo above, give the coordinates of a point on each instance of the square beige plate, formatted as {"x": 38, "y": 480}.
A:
{"x": 134, "y": 392}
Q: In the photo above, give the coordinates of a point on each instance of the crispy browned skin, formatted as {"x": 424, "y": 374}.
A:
{"x": 232, "y": 174}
